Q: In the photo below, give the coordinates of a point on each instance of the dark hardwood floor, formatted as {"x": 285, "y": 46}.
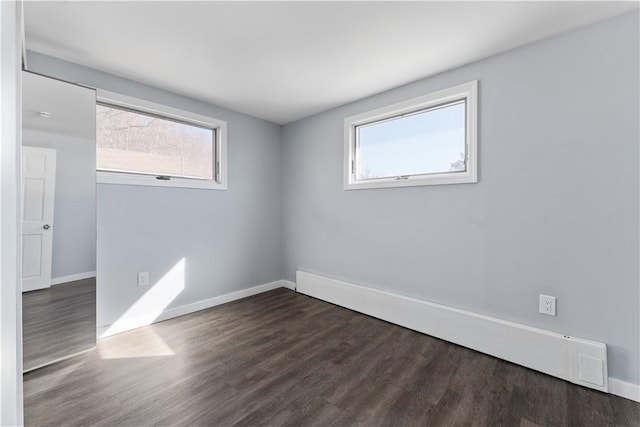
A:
{"x": 281, "y": 358}
{"x": 58, "y": 321}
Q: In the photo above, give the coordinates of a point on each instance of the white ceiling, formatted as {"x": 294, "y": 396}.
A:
{"x": 282, "y": 61}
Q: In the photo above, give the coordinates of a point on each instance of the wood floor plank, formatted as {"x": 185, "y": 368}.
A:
{"x": 284, "y": 359}
{"x": 506, "y": 395}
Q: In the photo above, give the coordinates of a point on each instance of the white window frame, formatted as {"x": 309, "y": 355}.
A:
{"x": 219, "y": 181}
{"x": 466, "y": 91}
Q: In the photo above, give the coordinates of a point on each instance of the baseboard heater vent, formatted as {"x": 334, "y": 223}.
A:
{"x": 573, "y": 359}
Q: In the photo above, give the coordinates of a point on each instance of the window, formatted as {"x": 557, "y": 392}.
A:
{"x": 423, "y": 141}
{"x": 141, "y": 143}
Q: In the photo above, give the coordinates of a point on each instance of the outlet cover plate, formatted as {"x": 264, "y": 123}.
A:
{"x": 143, "y": 279}
{"x": 548, "y": 305}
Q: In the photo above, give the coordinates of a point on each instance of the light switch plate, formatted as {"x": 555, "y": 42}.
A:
{"x": 143, "y": 279}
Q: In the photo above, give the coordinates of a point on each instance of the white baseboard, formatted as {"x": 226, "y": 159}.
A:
{"x": 573, "y": 359}
{"x": 133, "y": 323}
{"x": 624, "y": 389}
{"x": 72, "y": 278}
{"x": 288, "y": 284}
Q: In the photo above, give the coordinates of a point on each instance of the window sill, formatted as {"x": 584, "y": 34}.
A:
{"x": 151, "y": 181}
{"x": 413, "y": 181}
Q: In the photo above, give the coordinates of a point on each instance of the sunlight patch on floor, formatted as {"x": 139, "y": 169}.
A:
{"x": 142, "y": 343}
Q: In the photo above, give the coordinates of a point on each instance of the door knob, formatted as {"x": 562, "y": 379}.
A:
{"x": 46, "y": 226}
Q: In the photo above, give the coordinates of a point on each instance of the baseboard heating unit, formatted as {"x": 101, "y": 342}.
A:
{"x": 577, "y": 360}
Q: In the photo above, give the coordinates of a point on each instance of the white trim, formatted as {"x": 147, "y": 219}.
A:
{"x": 11, "y": 401}
{"x": 103, "y": 177}
{"x": 72, "y": 278}
{"x": 467, "y": 91}
{"x": 624, "y": 389}
{"x": 549, "y": 352}
{"x": 220, "y": 126}
{"x": 288, "y": 284}
{"x": 107, "y": 330}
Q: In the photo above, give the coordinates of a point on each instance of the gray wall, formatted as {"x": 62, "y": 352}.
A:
{"x": 555, "y": 210}
{"x": 74, "y": 233}
{"x": 230, "y": 239}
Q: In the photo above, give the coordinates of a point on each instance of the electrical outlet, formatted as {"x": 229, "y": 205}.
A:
{"x": 143, "y": 278}
{"x": 548, "y": 305}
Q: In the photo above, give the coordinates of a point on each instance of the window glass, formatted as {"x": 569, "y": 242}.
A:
{"x": 424, "y": 142}
{"x": 133, "y": 142}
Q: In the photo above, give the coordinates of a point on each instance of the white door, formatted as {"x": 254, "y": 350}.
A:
{"x": 38, "y": 190}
